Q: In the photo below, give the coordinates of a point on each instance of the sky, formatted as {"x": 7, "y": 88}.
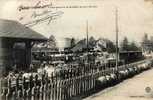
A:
{"x": 135, "y": 18}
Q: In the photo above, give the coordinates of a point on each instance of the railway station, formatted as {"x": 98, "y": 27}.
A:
{"x": 33, "y": 67}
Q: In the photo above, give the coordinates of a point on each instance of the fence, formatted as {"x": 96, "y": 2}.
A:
{"x": 65, "y": 89}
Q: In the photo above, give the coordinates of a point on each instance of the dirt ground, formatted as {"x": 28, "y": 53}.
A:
{"x": 140, "y": 87}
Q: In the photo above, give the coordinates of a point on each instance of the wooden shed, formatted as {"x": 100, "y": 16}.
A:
{"x": 16, "y": 41}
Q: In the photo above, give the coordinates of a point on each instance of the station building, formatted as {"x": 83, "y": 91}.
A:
{"x": 16, "y": 41}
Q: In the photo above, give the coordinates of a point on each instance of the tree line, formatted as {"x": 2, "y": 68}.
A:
{"x": 109, "y": 46}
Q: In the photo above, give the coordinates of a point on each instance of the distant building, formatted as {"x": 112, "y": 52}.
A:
{"x": 97, "y": 45}
{"x": 147, "y": 47}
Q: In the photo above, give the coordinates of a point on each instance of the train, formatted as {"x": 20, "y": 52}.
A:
{"x": 125, "y": 57}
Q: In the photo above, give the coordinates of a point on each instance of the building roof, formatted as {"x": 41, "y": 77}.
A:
{"x": 80, "y": 46}
{"x": 14, "y": 29}
{"x": 94, "y": 44}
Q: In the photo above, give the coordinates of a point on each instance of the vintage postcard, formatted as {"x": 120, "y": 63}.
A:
{"x": 76, "y": 49}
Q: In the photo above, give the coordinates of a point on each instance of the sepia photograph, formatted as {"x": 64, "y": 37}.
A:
{"x": 76, "y": 49}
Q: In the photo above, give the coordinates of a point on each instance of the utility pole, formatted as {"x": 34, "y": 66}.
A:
{"x": 87, "y": 36}
{"x": 87, "y": 44}
{"x": 117, "y": 30}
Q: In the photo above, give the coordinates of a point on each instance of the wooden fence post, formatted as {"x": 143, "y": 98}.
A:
{"x": 45, "y": 91}
{"x": 41, "y": 92}
{"x": 14, "y": 95}
{"x": 33, "y": 93}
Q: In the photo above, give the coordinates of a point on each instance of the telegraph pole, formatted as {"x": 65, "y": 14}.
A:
{"x": 117, "y": 30}
{"x": 87, "y": 36}
{"x": 87, "y": 44}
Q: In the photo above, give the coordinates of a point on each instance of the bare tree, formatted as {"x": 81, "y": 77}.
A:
{"x": 52, "y": 42}
{"x": 73, "y": 42}
{"x": 125, "y": 44}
